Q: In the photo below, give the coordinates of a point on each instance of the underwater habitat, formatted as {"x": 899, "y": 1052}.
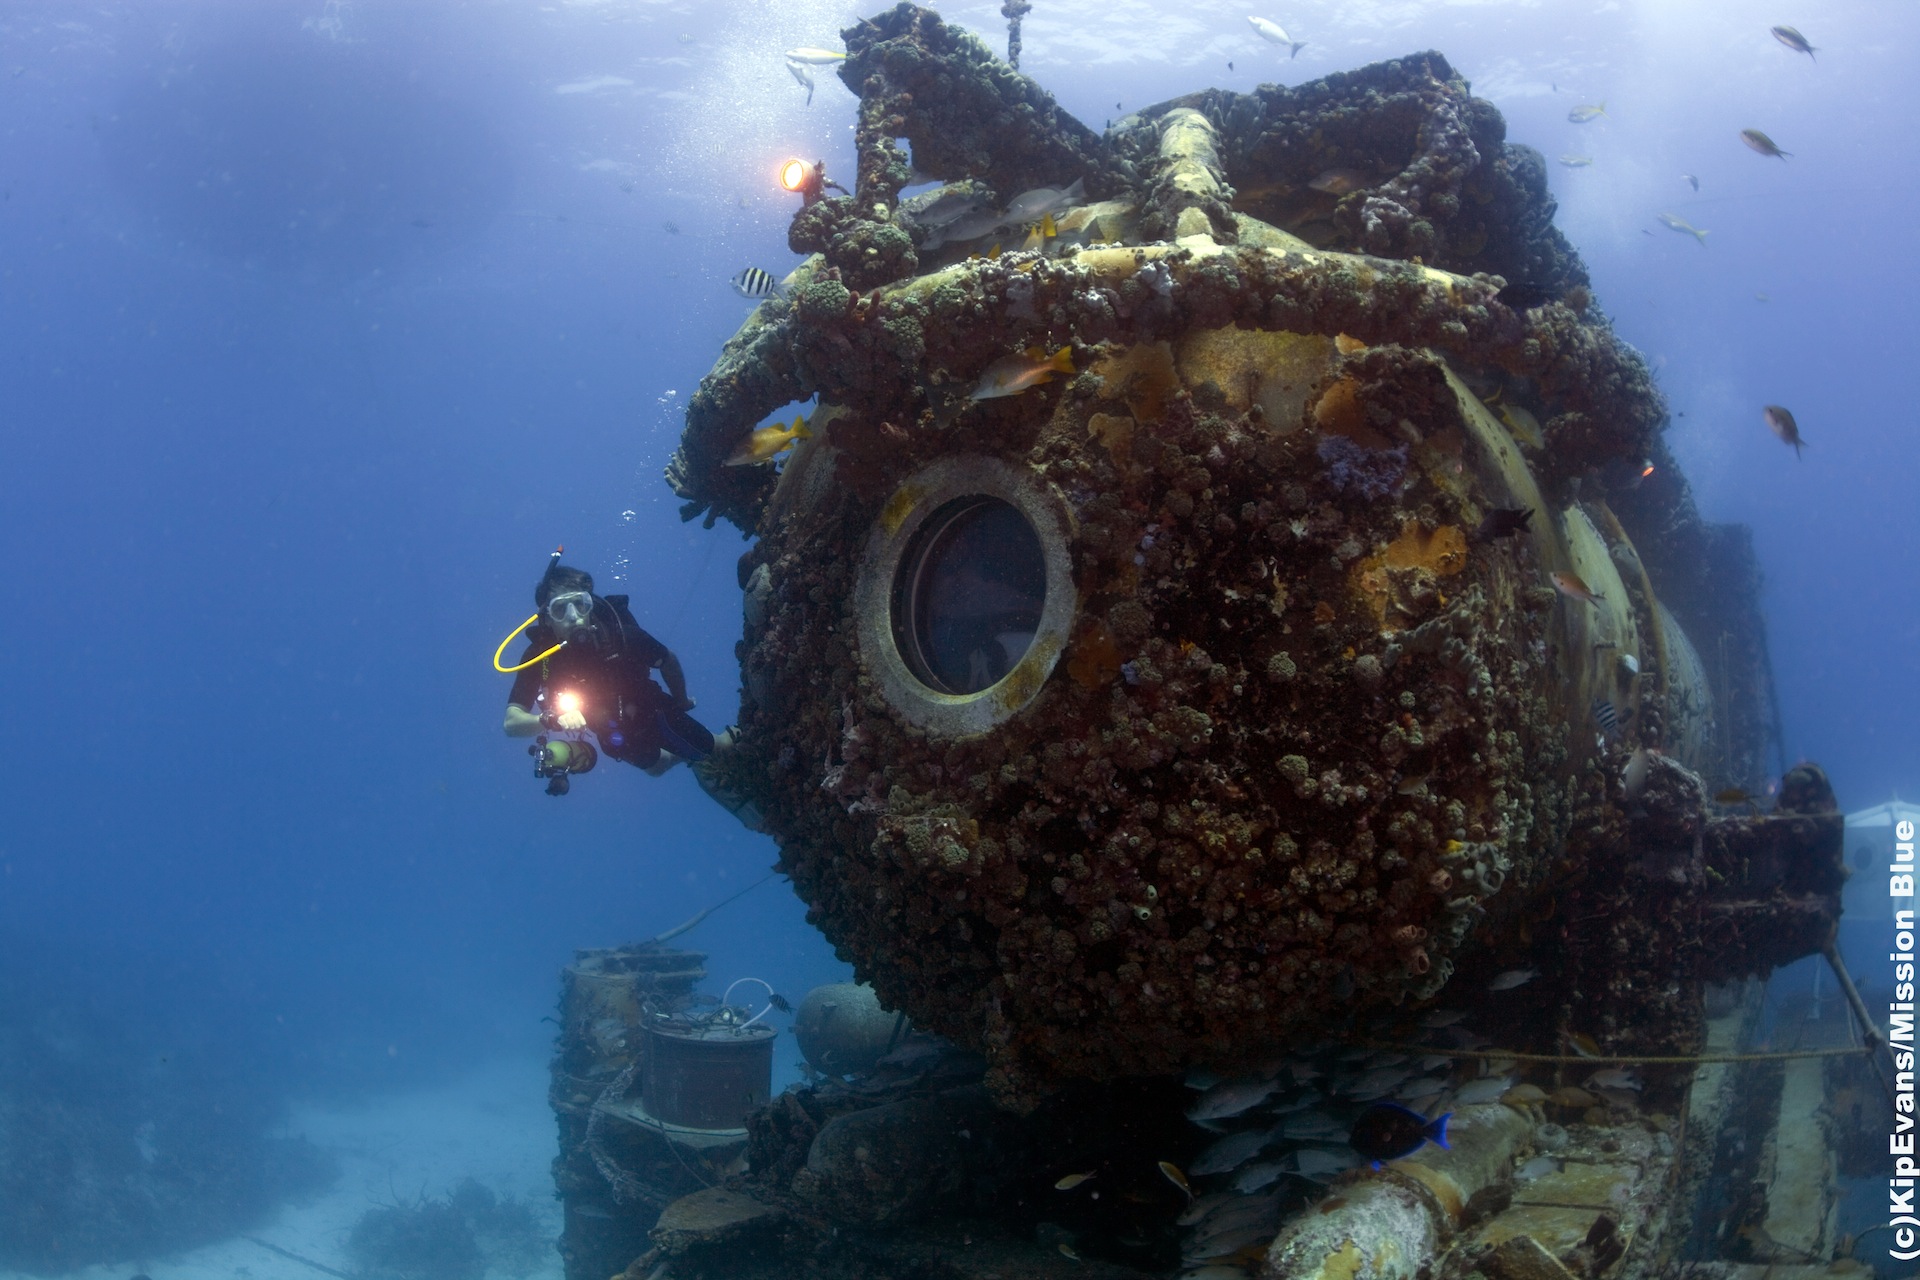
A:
{"x": 1013, "y": 641}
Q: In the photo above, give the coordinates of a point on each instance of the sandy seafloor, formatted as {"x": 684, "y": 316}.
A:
{"x": 492, "y": 1125}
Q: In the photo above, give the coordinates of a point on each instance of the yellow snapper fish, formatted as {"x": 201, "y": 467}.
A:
{"x": 1273, "y": 31}
{"x": 766, "y": 441}
{"x": 1591, "y": 110}
{"x": 1172, "y": 1173}
{"x": 815, "y": 57}
{"x": 1676, "y": 224}
{"x": 1041, "y": 232}
{"x": 1010, "y": 375}
{"x": 1524, "y": 426}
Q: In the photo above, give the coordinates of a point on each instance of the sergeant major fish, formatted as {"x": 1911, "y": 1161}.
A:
{"x": 755, "y": 283}
{"x": 1605, "y": 716}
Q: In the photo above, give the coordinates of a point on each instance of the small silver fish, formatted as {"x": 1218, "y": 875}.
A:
{"x": 1378, "y": 1084}
{"x": 1270, "y": 30}
{"x": 1793, "y": 40}
{"x": 1232, "y": 1097}
{"x": 1264, "y": 1174}
{"x": 1338, "y": 182}
{"x": 1614, "y": 1078}
{"x": 1673, "y": 223}
{"x": 1310, "y": 1124}
{"x": 1572, "y": 161}
{"x": 1434, "y": 1019}
{"x": 1513, "y": 978}
{"x": 1031, "y": 206}
{"x": 1205, "y": 1206}
{"x": 1633, "y": 778}
{"x": 1760, "y": 142}
{"x": 1319, "y": 1162}
{"x": 1229, "y": 1153}
{"x": 1221, "y": 1242}
{"x": 1693, "y": 181}
{"x": 1478, "y": 1092}
{"x": 805, "y": 77}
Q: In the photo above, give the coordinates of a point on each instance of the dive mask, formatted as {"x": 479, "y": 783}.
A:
{"x": 570, "y": 609}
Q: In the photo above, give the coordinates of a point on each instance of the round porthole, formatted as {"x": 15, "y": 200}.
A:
{"x": 966, "y": 594}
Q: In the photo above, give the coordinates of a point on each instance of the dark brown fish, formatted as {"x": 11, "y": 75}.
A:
{"x": 1388, "y": 1131}
{"x": 1502, "y": 522}
{"x": 1780, "y": 422}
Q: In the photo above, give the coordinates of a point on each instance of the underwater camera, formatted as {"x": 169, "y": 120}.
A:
{"x": 556, "y": 758}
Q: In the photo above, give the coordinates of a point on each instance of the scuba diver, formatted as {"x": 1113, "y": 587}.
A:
{"x": 586, "y": 676}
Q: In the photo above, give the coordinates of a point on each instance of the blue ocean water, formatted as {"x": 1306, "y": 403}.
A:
{"x": 321, "y": 324}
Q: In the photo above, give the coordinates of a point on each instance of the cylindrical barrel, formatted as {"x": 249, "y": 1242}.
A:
{"x": 707, "y": 1078}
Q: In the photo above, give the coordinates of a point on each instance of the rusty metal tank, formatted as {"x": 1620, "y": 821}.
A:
{"x": 1267, "y": 666}
{"x": 707, "y": 1077}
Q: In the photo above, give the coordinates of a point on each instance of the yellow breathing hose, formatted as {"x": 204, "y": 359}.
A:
{"x": 507, "y": 671}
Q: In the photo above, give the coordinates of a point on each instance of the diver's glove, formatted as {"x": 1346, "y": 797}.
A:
{"x": 571, "y": 721}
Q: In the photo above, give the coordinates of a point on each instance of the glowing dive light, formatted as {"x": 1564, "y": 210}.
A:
{"x": 794, "y": 174}
{"x": 567, "y": 703}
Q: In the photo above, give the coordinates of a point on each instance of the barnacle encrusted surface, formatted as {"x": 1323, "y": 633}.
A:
{"x": 1310, "y": 740}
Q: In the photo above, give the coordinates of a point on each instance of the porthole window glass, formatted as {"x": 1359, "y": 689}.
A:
{"x": 969, "y": 593}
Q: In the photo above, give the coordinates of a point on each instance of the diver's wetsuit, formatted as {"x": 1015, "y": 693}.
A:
{"x": 612, "y": 671}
